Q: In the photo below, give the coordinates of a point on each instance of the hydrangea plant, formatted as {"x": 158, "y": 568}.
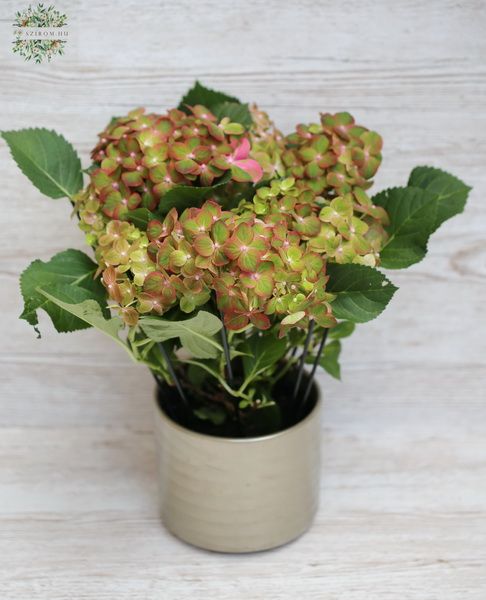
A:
{"x": 225, "y": 255}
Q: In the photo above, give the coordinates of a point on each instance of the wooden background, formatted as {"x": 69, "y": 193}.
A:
{"x": 403, "y": 510}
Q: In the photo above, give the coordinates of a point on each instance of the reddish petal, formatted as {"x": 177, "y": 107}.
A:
{"x": 239, "y": 175}
{"x": 260, "y": 320}
{"x": 132, "y": 178}
{"x": 109, "y": 275}
{"x": 248, "y": 260}
{"x": 244, "y": 234}
{"x": 203, "y": 245}
{"x": 100, "y": 179}
{"x": 232, "y": 249}
{"x": 154, "y": 229}
{"x": 206, "y": 176}
{"x": 216, "y": 132}
{"x": 251, "y": 167}
{"x": 179, "y": 151}
{"x": 242, "y": 150}
{"x": 109, "y": 165}
{"x": 220, "y": 232}
{"x": 220, "y": 162}
{"x": 235, "y": 321}
{"x": 134, "y": 201}
{"x": 264, "y": 286}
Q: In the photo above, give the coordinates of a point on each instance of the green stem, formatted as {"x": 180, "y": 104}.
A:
{"x": 280, "y": 373}
{"x": 235, "y": 393}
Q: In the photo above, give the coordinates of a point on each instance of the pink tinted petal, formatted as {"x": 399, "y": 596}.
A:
{"x": 242, "y": 150}
{"x": 251, "y": 167}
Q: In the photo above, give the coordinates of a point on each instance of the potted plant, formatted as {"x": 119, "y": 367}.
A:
{"x": 227, "y": 258}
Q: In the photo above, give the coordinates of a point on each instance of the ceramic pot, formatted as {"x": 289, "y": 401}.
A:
{"x": 238, "y": 494}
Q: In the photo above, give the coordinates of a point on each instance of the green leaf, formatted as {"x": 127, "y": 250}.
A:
{"x": 88, "y": 311}
{"x": 416, "y": 211}
{"x": 199, "y": 94}
{"x": 236, "y": 112}
{"x": 47, "y": 159}
{"x": 140, "y": 217}
{"x": 342, "y": 330}
{"x": 330, "y": 359}
{"x": 261, "y": 352}
{"x": 451, "y": 192}
{"x": 215, "y": 414}
{"x": 412, "y": 212}
{"x": 196, "y": 375}
{"x": 70, "y": 268}
{"x": 293, "y": 318}
{"x": 185, "y": 196}
{"x": 65, "y": 321}
{"x": 205, "y": 366}
{"x": 195, "y": 334}
{"x": 362, "y": 293}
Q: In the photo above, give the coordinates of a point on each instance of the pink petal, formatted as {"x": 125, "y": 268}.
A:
{"x": 242, "y": 150}
{"x": 251, "y": 167}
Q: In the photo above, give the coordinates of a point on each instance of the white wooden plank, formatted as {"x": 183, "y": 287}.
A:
{"x": 404, "y": 451}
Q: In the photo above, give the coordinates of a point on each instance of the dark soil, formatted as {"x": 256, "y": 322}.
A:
{"x": 241, "y": 423}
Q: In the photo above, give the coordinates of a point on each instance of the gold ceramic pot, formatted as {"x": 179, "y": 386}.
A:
{"x": 238, "y": 494}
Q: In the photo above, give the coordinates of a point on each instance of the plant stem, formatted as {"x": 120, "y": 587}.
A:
{"x": 289, "y": 363}
{"x": 314, "y": 368}
{"x": 229, "y": 370}
{"x": 222, "y": 382}
{"x": 226, "y": 349}
{"x": 173, "y": 374}
{"x": 157, "y": 379}
{"x": 302, "y": 359}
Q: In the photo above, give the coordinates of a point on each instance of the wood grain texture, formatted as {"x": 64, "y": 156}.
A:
{"x": 403, "y": 499}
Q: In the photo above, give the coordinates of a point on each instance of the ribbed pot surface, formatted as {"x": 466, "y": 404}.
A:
{"x": 238, "y": 495}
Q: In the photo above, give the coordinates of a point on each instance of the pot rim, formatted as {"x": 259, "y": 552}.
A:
{"x": 243, "y": 440}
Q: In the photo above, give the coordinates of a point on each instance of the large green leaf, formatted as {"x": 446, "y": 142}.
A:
{"x": 362, "y": 293}
{"x": 412, "y": 212}
{"x": 342, "y": 330}
{"x": 416, "y": 211}
{"x": 216, "y": 414}
{"x": 69, "y": 269}
{"x": 47, "y": 159}
{"x": 185, "y": 196}
{"x": 140, "y": 217}
{"x": 88, "y": 311}
{"x": 199, "y": 94}
{"x": 237, "y": 113}
{"x": 195, "y": 334}
{"x": 261, "y": 352}
{"x": 63, "y": 320}
{"x": 451, "y": 192}
{"x": 329, "y": 359}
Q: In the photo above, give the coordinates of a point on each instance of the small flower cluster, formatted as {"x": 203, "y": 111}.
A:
{"x": 265, "y": 260}
{"x": 330, "y": 158}
{"x": 267, "y": 144}
{"x": 142, "y": 156}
